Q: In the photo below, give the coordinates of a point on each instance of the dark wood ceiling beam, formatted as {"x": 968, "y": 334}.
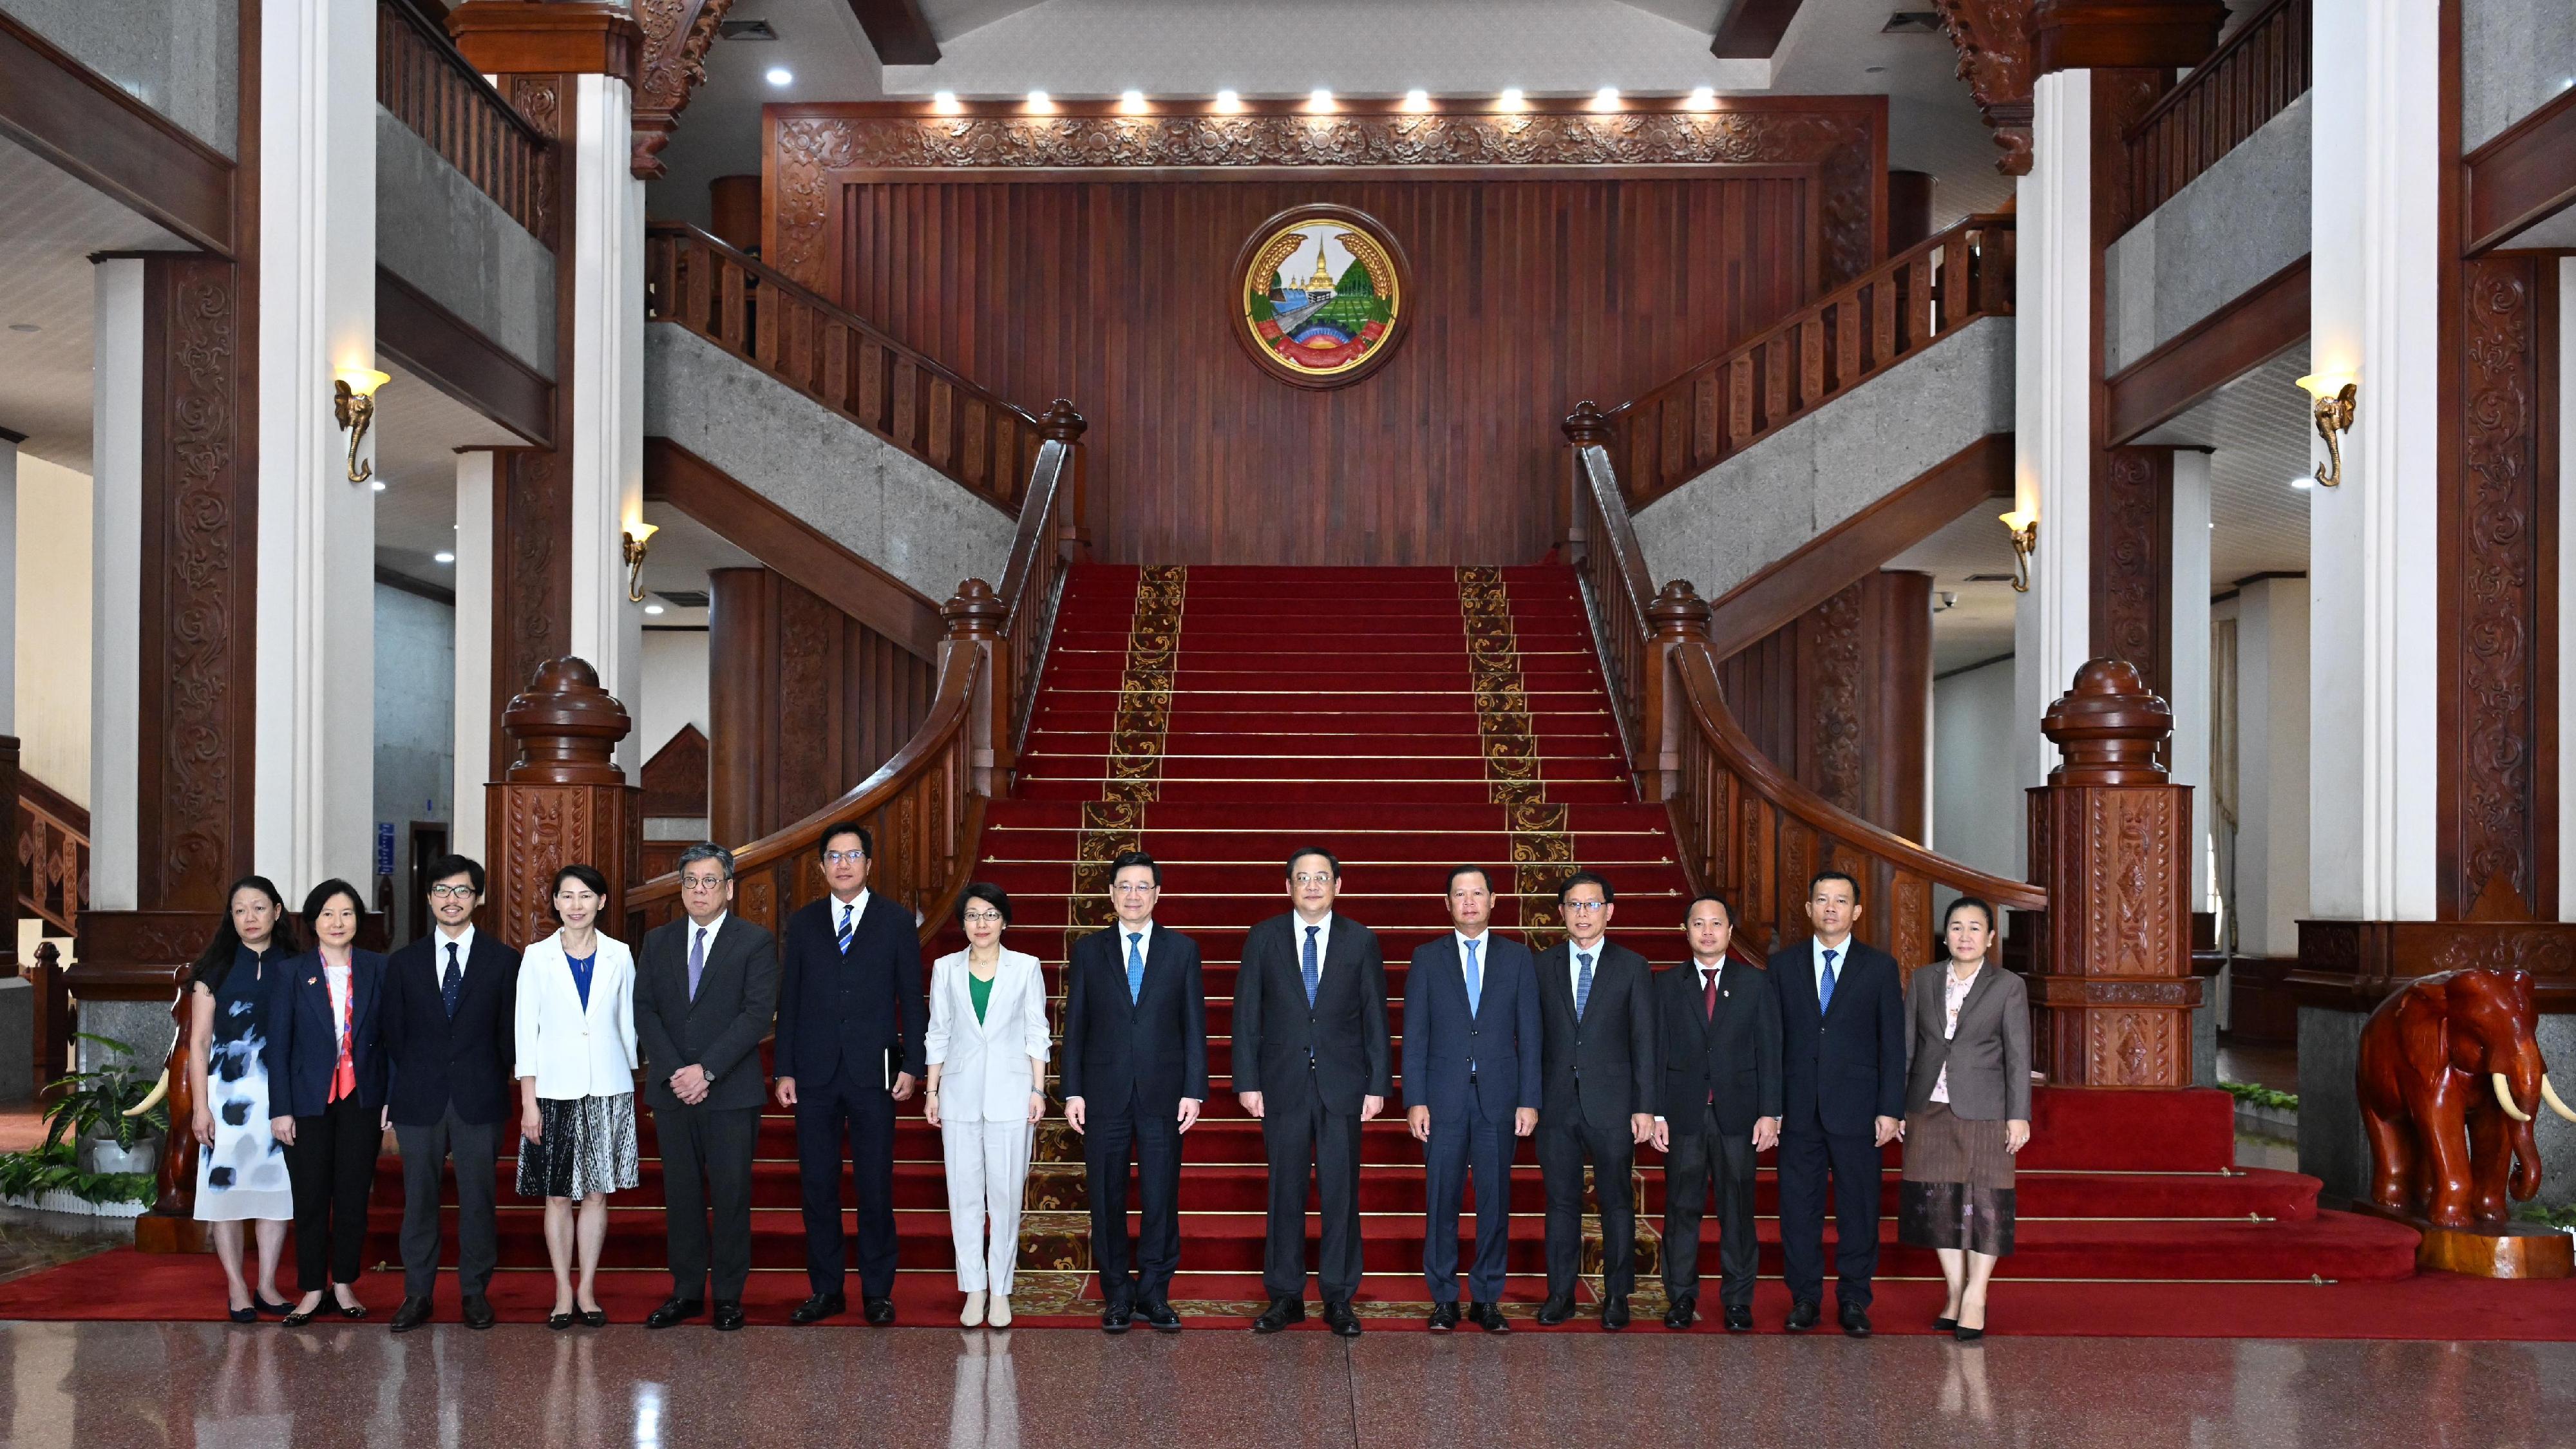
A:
{"x": 2524, "y": 175}
{"x": 2208, "y": 355}
{"x": 1752, "y": 29}
{"x": 452, "y": 355}
{"x": 71, "y": 116}
{"x": 901, "y": 33}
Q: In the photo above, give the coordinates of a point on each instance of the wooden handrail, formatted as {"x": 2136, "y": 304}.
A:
{"x": 1689, "y": 425}
{"x": 53, "y": 857}
{"x": 833, "y": 356}
{"x": 2253, "y": 76}
{"x": 432, "y": 88}
{"x": 1746, "y": 829}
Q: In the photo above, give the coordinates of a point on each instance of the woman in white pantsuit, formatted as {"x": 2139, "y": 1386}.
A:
{"x": 987, "y": 1052}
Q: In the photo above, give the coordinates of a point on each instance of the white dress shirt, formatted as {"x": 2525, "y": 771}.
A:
{"x": 336, "y": 978}
{"x": 1954, "y": 994}
{"x": 716, "y": 925}
{"x": 1297, "y": 927}
{"x": 856, "y": 905}
{"x": 463, "y": 941}
{"x": 1144, "y": 945}
{"x": 1574, "y": 967}
{"x": 1842, "y": 962}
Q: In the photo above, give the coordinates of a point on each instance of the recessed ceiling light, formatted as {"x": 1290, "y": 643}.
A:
{"x": 25, "y": 327}
{"x": 1132, "y": 102}
{"x": 1228, "y": 103}
{"x": 443, "y": 556}
{"x": 379, "y": 485}
{"x": 1511, "y": 98}
{"x": 2303, "y": 481}
{"x": 945, "y": 103}
{"x": 1606, "y": 99}
{"x": 1702, "y": 98}
{"x": 652, "y": 608}
{"x": 1417, "y": 100}
{"x": 1040, "y": 101}
{"x": 1319, "y": 100}
{"x": 780, "y": 75}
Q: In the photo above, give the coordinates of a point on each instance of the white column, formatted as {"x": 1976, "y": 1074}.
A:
{"x": 2188, "y": 691}
{"x": 475, "y": 479}
{"x": 317, "y": 530}
{"x": 608, "y": 393}
{"x": 2566, "y": 577}
{"x": 2273, "y": 806}
{"x": 2375, "y": 250}
{"x": 2052, "y": 410}
{"x": 116, "y": 582}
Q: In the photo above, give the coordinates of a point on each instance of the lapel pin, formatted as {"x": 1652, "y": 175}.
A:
{"x": 310, "y": 980}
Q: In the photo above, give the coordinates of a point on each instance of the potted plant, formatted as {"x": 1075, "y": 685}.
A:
{"x": 93, "y": 1108}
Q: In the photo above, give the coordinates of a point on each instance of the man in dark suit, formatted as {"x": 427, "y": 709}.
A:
{"x": 1718, "y": 1105}
{"x": 1842, "y": 1082}
{"x": 1134, "y": 1076}
{"x": 705, "y": 993}
{"x": 852, "y": 1011}
{"x": 1471, "y": 1084}
{"x": 1597, "y": 1055}
{"x": 448, "y": 1029}
{"x": 1311, "y": 1061}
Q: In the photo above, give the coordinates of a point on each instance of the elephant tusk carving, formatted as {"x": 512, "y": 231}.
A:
{"x": 2504, "y": 1097}
{"x": 2549, "y": 1094}
{"x": 153, "y": 1098}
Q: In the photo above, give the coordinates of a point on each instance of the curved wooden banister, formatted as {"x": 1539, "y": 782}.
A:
{"x": 1672, "y": 434}
{"x": 1746, "y": 829}
{"x": 850, "y": 366}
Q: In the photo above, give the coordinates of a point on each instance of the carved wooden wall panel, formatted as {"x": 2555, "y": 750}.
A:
{"x": 2498, "y": 683}
{"x": 2133, "y": 562}
{"x": 1997, "y": 46}
{"x": 532, "y": 576}
{"x": 675, "y": 779}
{"x": 672, "y": 64}
{"x": 1838, "y": 697}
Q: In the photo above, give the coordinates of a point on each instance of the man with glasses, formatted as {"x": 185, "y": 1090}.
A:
{"x": 1134, "y": 1077}
{"x": 1597, "y": 1057}
{"x": 852, "y": 1014}
{"x": 705, "y": 993}
{"x": 448, "y": 1026}
{"x": 1311, "y": 1062}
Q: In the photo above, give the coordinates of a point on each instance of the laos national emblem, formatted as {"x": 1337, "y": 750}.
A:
{"x": 1322, "y": 295}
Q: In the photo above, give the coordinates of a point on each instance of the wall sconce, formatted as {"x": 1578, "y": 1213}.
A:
{"x": 353, "y": 402}
{"x": 2023, "y": 528}
{"x": 2333, "y": 394}
{"x": 638, "y": 540}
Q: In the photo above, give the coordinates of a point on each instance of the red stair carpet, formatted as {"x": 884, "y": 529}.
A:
{"x": 1410, "y": 720}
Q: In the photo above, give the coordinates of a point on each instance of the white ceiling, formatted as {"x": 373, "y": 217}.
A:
{"x": 418, "y": 431}
{"x": 1968, "y": 560}
{"x": 2258, "y": 428}
{"x": 683, "y": 552}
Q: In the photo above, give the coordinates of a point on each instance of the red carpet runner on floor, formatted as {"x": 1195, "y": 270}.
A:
{"x": 1412, "y": 719}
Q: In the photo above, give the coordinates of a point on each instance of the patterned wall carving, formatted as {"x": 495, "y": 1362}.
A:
{"x": 2497, "y": 558}
{"x": 676, "y": 36}
{"x": 812, "y": 144}
{"x": 2133, "y": 561}
{"x": 1832, "y": 638}
{"x": 539, "y": 98}
{"x": 532, "y": 604}
{"x": 1998, "y": 48}
{"x": 2117, "y": 991}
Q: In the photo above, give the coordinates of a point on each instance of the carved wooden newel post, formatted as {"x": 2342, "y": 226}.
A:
{"x": 2111, "y": 840}
{"x": 974, "y": 616}
{"x": 562, "y": 801}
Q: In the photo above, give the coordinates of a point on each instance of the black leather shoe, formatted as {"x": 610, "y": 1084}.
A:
{"x": 251, "y": 1315}
{"x": 1944, "y": 1325}
{"x": 1739, "y": 1318}
{"x": 1341, "y": 1320}
{"x": 412, "y": 1314}
{"x": 1489, "y": 1317}
{"x": 728, "y": 1316}
{"x": 1964, "y": 1334}
{"x": 1683, "y": 1312}
{"x": 272, "y": 1310}
{"x": 878, "y": 1311}
{"x": 1281, "y": 1313}
{"x": 1444, "y": 1317}
{"x": 1855, "y": 1321}
{"x": 593, "y": 1317}
{"x": 1802, "y": 1316}
{"x": 1117, "y": 1316}
{"x": 1160, "y": 1316}
{"x": 818, "y": 1308}
{"x": 477, "y": 1311}
{"x": 675, "y": 1311}
{"x": 1614, "y": 1312}
{"x": 1558, "y": 1308}
{"x": 559, "y": 1321}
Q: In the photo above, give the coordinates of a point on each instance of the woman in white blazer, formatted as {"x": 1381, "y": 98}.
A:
{"x": 576, "y": 1070}
{"x": 987, "y": 1052}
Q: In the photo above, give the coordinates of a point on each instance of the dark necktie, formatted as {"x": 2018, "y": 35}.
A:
{"x": 1582, "y": 983}
{"x": 1825, "y": 992}
{"x": 845, "y": 928}
{"x": 1708, "y": 993}
{"x": 697, "y": 961}
{"x": 1314, "y": 968}
{"x": 452, "y": 983}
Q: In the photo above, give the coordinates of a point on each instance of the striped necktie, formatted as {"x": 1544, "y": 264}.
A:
{"x": 846, "y": 927}
{"x": 1582, "y": 983}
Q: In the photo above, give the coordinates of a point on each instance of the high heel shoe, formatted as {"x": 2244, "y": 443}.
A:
{"x": 559, "y": 1321}
{"x": 1965, "y": 1334}
{"x": 347, "y": 1310}
{"x": 1945, "y": 1325}
{"x": 593, "y": 1317}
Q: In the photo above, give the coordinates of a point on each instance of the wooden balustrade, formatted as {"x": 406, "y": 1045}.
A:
{"x": 1721, "y": 407}
{"x": 1746, "y": 829}
{"x": 812, "y": 345}
{"x": 2255, "y": 73}
{"x": 434, "y": 90}
{"x": 53, "y": 857}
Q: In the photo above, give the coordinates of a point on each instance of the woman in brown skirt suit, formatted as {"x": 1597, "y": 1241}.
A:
{"x": 1967, "y": 1111}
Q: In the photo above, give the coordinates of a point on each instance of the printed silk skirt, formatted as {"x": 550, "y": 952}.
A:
{"x": 584, "y": 1145}
{"x": 1958, "y": 1190}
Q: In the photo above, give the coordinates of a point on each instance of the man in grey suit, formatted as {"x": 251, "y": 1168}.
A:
{"x": 706, "y": 991}
{"x": 1597, "y": 1054}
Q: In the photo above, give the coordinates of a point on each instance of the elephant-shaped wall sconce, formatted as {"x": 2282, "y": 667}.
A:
{"x": 2450, "y": 1082}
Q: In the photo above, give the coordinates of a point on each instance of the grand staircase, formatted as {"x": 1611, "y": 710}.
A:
{"x": 1410, "y": 720}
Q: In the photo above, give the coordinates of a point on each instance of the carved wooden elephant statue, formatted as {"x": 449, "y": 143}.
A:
{"x": 2449, "y": 1081}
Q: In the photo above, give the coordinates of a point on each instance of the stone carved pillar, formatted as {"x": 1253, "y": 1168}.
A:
{"x": 563, "y": 801}
{"x": 2110, "y": 838}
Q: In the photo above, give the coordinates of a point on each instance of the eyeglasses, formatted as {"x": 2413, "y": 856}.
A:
{"x": 844, "y": 857}
{"x": 1135, "y": 887}
{"x": 1311, "y": 878}
{"x": 452, "y": 893}
{"x": 1587, "y": 905}
{"x": 701, "y": 882}
{"x": 983, "y": 918}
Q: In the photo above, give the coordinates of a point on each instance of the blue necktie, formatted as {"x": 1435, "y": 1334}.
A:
{"x": 845, "y": 928}
{"x": 1475, "y": 978}
{"x": 1314, "y": 968}
{"x": 451, "y": 985}
{"x": 1135, "y": 967}
{"x": 1582, "y": 982}
{"x": 1825, "y": 993}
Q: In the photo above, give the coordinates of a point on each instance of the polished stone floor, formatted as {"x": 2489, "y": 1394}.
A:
{"x": 212, "y": 1386}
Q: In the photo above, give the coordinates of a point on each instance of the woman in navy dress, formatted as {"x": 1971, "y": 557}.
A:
{"x": 241, "y": 1166}
{"x": 327, "y": 1096}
